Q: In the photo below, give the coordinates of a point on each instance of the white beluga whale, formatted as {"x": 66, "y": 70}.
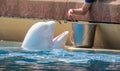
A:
{"x": 40, "y": 37}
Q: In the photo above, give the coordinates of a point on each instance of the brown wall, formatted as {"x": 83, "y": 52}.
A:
{"x": 106, "y": 11}
{"x": 52, "y": 9}
{"x": 102, "y": 10}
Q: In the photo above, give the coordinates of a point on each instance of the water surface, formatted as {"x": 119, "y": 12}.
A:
{"x": 13, "y": 58}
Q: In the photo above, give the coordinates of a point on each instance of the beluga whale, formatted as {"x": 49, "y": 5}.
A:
{"x": 41, "y": 37}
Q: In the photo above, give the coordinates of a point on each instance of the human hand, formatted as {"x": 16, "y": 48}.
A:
{"x": 70, "y": 12}
{"x": 71, "y": 15}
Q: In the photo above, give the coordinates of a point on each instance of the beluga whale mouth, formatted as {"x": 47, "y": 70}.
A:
{"x": 40, "y": 37}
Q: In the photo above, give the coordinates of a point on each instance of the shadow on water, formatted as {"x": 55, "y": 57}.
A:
{"x": 13, "y": 58}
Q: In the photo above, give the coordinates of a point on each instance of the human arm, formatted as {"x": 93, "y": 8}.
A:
{"x": 80, "y": 11}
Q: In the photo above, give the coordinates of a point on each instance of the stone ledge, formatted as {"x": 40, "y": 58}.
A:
{"x": 102, "y": 10}
{"x": 106, "y": 10}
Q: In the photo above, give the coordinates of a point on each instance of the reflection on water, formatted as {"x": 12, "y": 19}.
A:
{"x": 16, "y": 59}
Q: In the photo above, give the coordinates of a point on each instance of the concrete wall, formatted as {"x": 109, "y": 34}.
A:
{"x": 107, "y": 36}
{"x": 106, "y": 11}
{"x": 102, "y": 10}
{"x": 52, "y": 9}
{"x": 14, "y": 29}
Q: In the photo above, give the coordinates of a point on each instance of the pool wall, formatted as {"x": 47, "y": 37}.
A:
{"x": 102, "y": 10}
{"x": 14, "y": 29}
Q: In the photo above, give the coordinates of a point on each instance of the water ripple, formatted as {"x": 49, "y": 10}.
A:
{"x": 59, "y": 58}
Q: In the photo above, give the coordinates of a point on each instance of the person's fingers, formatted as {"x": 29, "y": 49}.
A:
{"x": 71, "y": 17}
{"x": 70, "y": 11}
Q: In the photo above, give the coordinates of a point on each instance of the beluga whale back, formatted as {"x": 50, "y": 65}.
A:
{"x": 40, "y": 37}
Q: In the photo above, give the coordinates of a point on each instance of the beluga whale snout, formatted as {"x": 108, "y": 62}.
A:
{"x": 40, "y": 37}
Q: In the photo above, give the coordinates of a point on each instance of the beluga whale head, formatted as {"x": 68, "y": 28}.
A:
{"x": 40, "y": 37}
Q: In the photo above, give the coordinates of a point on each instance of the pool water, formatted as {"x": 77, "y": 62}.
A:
{"x": 13, "y": 58}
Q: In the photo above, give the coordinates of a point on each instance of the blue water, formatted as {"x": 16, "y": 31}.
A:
{"x": 13, "y": 58}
